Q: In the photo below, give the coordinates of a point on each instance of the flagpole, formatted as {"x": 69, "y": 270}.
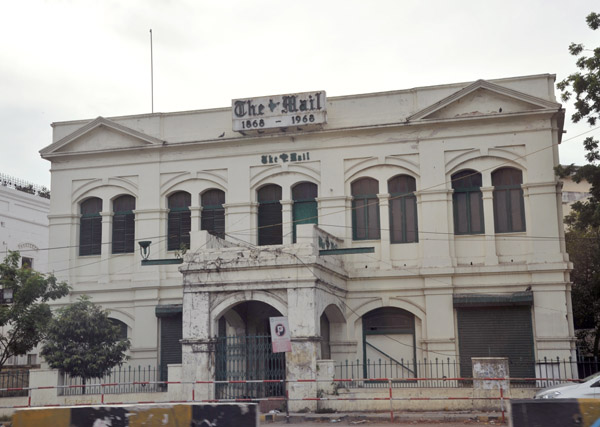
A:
{"x": 151, "y": 73}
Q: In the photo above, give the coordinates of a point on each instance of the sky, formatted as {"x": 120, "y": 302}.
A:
{"x": 63, "y": 60}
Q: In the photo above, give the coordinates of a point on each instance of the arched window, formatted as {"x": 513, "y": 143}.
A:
{"x": 122, "y": 327}
{"x": 403, "y": 209}
{"x": 365, "y": 209}
{"x": 213, "y": 213}
{"x": 389, "y": 335}
{"x": 123, "y": 234}
{"x": 305, "y": 205}
{"x": 269, "y": 215}
{"x": 180, "y": 221}
{"x": 467, "y": 202}
{"x": 509, "y": 209}
{"x": 90, "y": 227}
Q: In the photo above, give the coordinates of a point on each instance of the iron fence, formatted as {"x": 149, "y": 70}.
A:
{"x": 425, "y": 373}
{"x": 443, "y": 373}
{"x": 243, "y": 358}
{"x": 125, "y": 379}
{"x": 14, "y": 378}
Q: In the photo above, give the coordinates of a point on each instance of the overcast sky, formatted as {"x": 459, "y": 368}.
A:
{"x": 66, "y": 60}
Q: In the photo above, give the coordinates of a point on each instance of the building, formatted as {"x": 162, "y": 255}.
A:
{"x": 24, "y": 211}
{"x": 573, "y": 192}
{"x": 420, "y": 223}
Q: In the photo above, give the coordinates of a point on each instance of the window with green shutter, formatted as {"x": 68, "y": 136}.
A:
{"x": 123, "y": 231}
{"x": 365, "y": 209}
{"x": 403, "y": 209}
{"x": 305, "y": 206}
{"x": 467, "y": 202}
{"x": 90, "y": 227}
{"x": 509, "y": 209}
{"x": 269, "y": 215}
{"x": 213, "y": 213}
{"x": 179, "y": 223}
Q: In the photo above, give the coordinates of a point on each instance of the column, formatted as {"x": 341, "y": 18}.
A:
{"x": 384, "y": 227}
{"x": 106, "y": 248}
{"x": 287, "y": 220}
{"x": 195, "y": 214}
{"x": 436, "y": 213}
{"x": 301, "y": 362}
{"x": 491, "y": 256}
{"x": 240, "y": 222}
{"x": 332, "y": 216}
{"x": 197, "y": 346}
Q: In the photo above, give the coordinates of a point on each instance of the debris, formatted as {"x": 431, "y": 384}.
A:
{"x": 359, "y": 422}
{"x": 274, "y": 411}
{"x": 336, "y": 421}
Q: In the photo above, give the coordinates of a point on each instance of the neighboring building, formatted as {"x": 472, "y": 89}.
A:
{"x": 573, "y": 192}
{"x": 451, "y": 186}
{"x": 24, "y": 211}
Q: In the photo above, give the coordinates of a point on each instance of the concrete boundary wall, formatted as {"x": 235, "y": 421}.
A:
{"x": 216, "y": 414}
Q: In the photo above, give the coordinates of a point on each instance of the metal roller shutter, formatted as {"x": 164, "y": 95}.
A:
{"x": 170, "y": 347}
{"x": 497, "y": 332}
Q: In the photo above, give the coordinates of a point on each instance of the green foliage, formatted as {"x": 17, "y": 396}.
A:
{"x": 83, "y": 342}
{"x": 584, "y": 251}
{"x": 25, "y": 319}
{"x": 583, "y": 238}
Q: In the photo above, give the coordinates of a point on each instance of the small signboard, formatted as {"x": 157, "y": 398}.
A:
{"x": 280, "y": 334}
{"x": 297, "y": 110}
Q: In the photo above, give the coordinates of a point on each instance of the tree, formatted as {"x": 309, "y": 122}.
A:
{"x": 83, "y": 342}
{"x": 584, "y": 250}
{"x": 583, "y": 238}
{"x": 24, "y": 316}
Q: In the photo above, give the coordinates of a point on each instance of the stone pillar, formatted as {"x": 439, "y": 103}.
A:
{"x": 439, "y": 323}
{"x": 286, "y": 219}
{"x": 106, "y": 247}
{"x": 541, "y": 219}
{"x": 332, "y": 213}
{"x": 485, "y": 390}
{"x": 175, "y": 391}
{"x": 436, "y": 213}
{"x": 301, "y": 362}
{"x": 197, "y": 347}
{"x": 195, "y": 214}
{"x": 44, "y": 378}
{"x": 241, "y": 221}
{"x": 385, "y": 229}
{"x": 325, "y": 376}
{"x": 491, "y": 257}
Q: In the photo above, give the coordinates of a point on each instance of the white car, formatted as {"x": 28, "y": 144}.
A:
{"x": 588, "y": 389}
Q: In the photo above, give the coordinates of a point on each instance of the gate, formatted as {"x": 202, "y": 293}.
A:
{"x": 248, "y": 358}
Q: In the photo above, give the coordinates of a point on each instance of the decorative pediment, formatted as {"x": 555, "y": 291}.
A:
{"x": 100, "y": 135}
{"x": 483, "y": 98}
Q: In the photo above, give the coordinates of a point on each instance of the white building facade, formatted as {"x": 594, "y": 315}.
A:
{"x": 24, "y": 221}
{"x": 24, "y": 209}
{"x": 396, "y": 226}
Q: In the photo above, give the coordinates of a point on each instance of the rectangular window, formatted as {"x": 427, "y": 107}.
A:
{"x": 304, "y": 213}
{"x": 179, "y": 225}
{"x": 26, "y": 262}
{"x": 213, "y": 221}
{"x": 90, "y": 238}
{"x": 366, "y": 218}
{"x": 123, "y": 233}
{"x": 403, "y": 219}
{"x": 270, "y": 231}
